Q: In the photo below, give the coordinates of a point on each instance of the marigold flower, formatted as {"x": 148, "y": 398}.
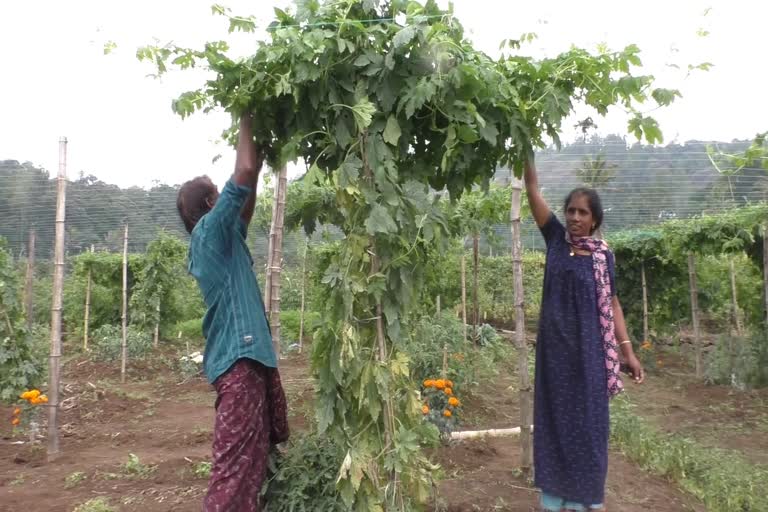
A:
{"x": 440, "y": 384}
{"x": 425, "y": 409}
{"x": 447, "y": 413}
{"x": 34, "y": 401}
{"x": 429, "y": 383}
{"x": 453, "y": 401}
{"x": 448, "y": 391}
{"x": 42, "y": 399}
{"x": 31, "y": 394}
{"x": 15, "y": 421}
{"x": 16, "y": 411}
{"x": 449, "y": 383}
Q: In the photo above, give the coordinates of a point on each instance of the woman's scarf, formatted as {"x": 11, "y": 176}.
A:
{"x": 599, "y": 250}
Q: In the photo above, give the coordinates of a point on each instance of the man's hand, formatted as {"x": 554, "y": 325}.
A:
{"x": 250, "y": 158}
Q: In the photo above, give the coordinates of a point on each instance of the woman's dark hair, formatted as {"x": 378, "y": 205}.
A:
{"x": 593, "y": 199}
{"x": 192, "y": 201}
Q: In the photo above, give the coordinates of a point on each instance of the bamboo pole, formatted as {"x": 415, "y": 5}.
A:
{"x": 87, "y": 313}
{"x": 735, "y": 301}
{"x": 475, "y": 286}
{"x": 303, "y": 294}
{"x": 695, "y": 313}
{"x": 526, "y": 442}
{"x": 646, "y": 330}
{"x": 54, "y": 364}
{"x": 276, "y": 260}
{"x": 124, "y": 344}
{"x": 29, "y": 281}
{"x": 156, "y": 336}
{"x": 765, "y": 272}
{"x": 270, "y": 252}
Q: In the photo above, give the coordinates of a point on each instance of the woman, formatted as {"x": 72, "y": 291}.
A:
{"x": 581, "y": 331}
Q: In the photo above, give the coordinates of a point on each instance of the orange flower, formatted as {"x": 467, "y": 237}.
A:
{"x": 646, "y": 345}
{"x": 440, "y": 384}
{"x": 34, "y": 401}
{"x": 429, "y": 383}
{"x": 30, "y": 395}
{"x": 42, "y": 399}
{"x": 425, "y": 409}
{"x": 447, "y": 413}
{"x": 15, "y": 421}
{"x": 16, "y": 411}
{"x": 448, "y": 391}
{"x": 453, "y": 401}
{"x": 449, "y": 383}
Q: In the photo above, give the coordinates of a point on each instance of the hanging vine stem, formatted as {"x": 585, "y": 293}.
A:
{"x": 381, "y": 339}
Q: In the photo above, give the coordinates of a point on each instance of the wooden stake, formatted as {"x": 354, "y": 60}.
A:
{"x": 735, "y": 301}
{"x": 526, "y": 441}
{"x": 270, "y": 252}
{"x": 303, "y": 294}
{"x": 475, "y": 285}
{"x": 646, "y": 331}
{"x": 156, "y": 338}
{"x": 695, "y": 313}
{"x": 765, "y": 272}
{"x": 124, "y": 345}
{"x": 464, "y": 290}
{"x": 29, "y": 281}
{"x": 54, "y": 363}
{"x": 87, "y": 314}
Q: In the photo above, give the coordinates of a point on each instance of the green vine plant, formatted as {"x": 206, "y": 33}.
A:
{"x": 18, "y": 369}
{"x": 152, "y": 297}
{"x": 474, "y": 215}
{"x": 663, "y": 250}
{"x": 382, "y": 111}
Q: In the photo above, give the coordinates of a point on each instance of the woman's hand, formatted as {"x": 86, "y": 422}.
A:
{"x": 635, "y": 368}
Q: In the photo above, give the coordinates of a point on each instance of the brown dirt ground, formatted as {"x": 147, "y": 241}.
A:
{"x": 168, "y": 423}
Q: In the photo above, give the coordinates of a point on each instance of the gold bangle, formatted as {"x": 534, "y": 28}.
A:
{"x": 625, "y": 341}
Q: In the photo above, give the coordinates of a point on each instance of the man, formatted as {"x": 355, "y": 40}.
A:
{"x": 239, "y": 359}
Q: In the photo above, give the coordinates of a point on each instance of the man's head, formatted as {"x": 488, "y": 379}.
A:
{"x": 196, "y": 198}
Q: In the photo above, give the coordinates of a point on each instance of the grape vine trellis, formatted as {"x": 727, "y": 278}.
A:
{"x": 380, "y": 112}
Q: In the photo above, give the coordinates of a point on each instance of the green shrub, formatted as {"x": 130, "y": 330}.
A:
{"x": 669, "y": 294}
{"x": 95, "y": 505}
{"x": 739, "y": 361}
{"x": 495, "y": 294}
{"x": 304, "y": 478}
{"x": 724, "y": 481}
{"x": 107, "y": 343}
{"x": 290, "y": 322}
{"x": 20, "y": 366}
{"x": 191, "y": 330}
{"x": 467, "y": 363}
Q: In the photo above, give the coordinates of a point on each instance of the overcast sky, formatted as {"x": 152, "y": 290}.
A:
{"x": 56, "y": 81}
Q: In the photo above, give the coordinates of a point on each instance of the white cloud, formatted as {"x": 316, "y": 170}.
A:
{"x": 56, "y": 80}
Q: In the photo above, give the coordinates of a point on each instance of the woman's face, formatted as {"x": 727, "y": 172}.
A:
{"x": 578, "y": 217}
